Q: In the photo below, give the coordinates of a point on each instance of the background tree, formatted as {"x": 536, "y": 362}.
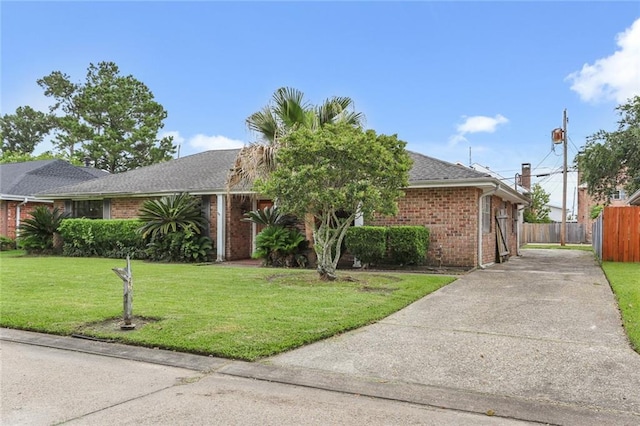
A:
{"x": 333, "y": 174}
{"x": 66, "y": 112}
{"x": 612, "y": 159}
{"x": 13, "y": 157}
{"x": 538, "y": 211}
{"x": 24, "y": 129}
{"x": 287, "y": 112}
{"x": 114, "y": 118}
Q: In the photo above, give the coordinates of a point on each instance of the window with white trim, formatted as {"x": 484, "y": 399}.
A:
{"x": 486, "y": 214}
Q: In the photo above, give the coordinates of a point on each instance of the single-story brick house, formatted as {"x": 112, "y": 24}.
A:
{"x": 472, "y": 216}
{"x": 19, "y": 182}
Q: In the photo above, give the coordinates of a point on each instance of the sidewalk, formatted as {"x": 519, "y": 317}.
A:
{"x": 535, "y": 339}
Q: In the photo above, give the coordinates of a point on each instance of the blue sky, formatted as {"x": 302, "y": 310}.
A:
{"x": 447, "y": 77}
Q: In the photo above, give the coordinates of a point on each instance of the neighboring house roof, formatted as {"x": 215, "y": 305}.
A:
{"x": 206, "y": 173}
{"x": 634, "y": 199}
{"x": 24, "y": 180}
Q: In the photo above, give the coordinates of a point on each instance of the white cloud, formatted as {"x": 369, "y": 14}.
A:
{"x": 614, "y": 77}
{"x": 205, "y": 142}
{"x": 477, "y": 124}
{"x": 200, "y": 142}
{"x": 456, "y": 139}
{"x": 481, "y": 123}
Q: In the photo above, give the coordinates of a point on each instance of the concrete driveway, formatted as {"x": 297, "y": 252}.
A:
{"x": 541, "y": 333}
{"x": 537, "y": 339}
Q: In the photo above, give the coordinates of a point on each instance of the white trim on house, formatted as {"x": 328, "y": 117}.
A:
{"x": 29, "y": 199}
{"x": 221, "y": 229}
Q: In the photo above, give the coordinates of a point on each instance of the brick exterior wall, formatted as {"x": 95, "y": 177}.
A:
{"x": 451, "y": 214}
{"x": 238, "y": 232}
{"x": 8, "y": 212}
{"x": 126, "y": 208}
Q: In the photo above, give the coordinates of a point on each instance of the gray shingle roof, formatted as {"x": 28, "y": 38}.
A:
{"x": 427, "y": 168}
{"x": 206, "y": 172}
{"x": 203, "y": 172}
{"x": 31, "y": 177}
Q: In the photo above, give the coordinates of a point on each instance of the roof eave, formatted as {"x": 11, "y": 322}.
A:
{"x": 27, "y": 198}
{"x": 634, "y": 199}
{"x": 502, "y": 190}
{"x": 94, "y": 195}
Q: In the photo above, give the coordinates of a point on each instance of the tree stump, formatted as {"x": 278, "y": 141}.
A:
{"x": 127, "y": 294}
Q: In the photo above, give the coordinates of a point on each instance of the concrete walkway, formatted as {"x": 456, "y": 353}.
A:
{"x": 537, "y": 339}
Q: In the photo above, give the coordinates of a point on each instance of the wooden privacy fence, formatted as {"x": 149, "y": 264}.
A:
{"x": 550, "y": 233}
{"x": 621, "y": 234}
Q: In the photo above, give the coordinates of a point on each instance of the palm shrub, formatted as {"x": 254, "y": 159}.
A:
{"x": 172, "y": 227}
{"x": 281, "y": 246}
{"x": 280, "y": 243}
{"x": 37, "y": 231}
{"x": 270, "y": 216}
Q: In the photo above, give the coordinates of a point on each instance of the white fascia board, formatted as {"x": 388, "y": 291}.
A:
{"x": 29, "y": 199}
{"x": 634, "y": 199}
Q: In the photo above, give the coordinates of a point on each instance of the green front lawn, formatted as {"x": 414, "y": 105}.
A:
{"x": 625, "y": 282}
{"x": 227, "y": 311}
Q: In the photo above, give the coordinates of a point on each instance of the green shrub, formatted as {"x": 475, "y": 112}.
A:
{"x": 112, "y": 238}
{"x": 181, "y": 246}
{"x": 408, "y": 245}
{"x": 280, "y": 246}
{"x": 367, "y": 243}
{"x": 36, "y": 232}
{"x": 171, "y": 227}
{"x": 7, "y": 243}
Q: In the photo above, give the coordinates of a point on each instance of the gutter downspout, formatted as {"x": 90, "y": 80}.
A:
{"x": 486, "y": 193}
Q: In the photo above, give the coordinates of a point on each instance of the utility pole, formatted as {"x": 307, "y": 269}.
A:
{"x": 563, "y": 227}
{"x": 559, "y": 135}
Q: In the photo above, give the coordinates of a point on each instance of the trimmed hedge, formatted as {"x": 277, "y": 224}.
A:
{"x": 367, "y": 243}
{"x": 111, "y": 238}
{"x": 399, "y": 245}
{"x": 408, "y": 245}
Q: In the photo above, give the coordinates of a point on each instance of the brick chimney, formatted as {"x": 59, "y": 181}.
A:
{"x": 525, "y": 177}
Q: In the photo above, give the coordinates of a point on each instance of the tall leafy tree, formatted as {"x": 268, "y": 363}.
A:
{"x": 538, "y": 211}
{"x": 335, "y": 173}
{"x": 69, "y": 128}
{"x": 24, "y": 129}
{"x": 287, "y": 112}
{"x": 114, "y": 118}
{"x": 612, "y": 159}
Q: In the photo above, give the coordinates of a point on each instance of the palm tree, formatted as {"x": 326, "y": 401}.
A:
{"x": 287, "y": 111}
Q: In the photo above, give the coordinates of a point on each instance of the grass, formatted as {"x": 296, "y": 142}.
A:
{"x": 227, "y": 311}
{"x": 625, "y": 282}
{"x": 583, "y": 247}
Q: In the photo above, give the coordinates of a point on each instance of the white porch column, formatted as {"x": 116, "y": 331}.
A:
{"x": 221, "y": 228}
{"x": 254, "y": 226}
